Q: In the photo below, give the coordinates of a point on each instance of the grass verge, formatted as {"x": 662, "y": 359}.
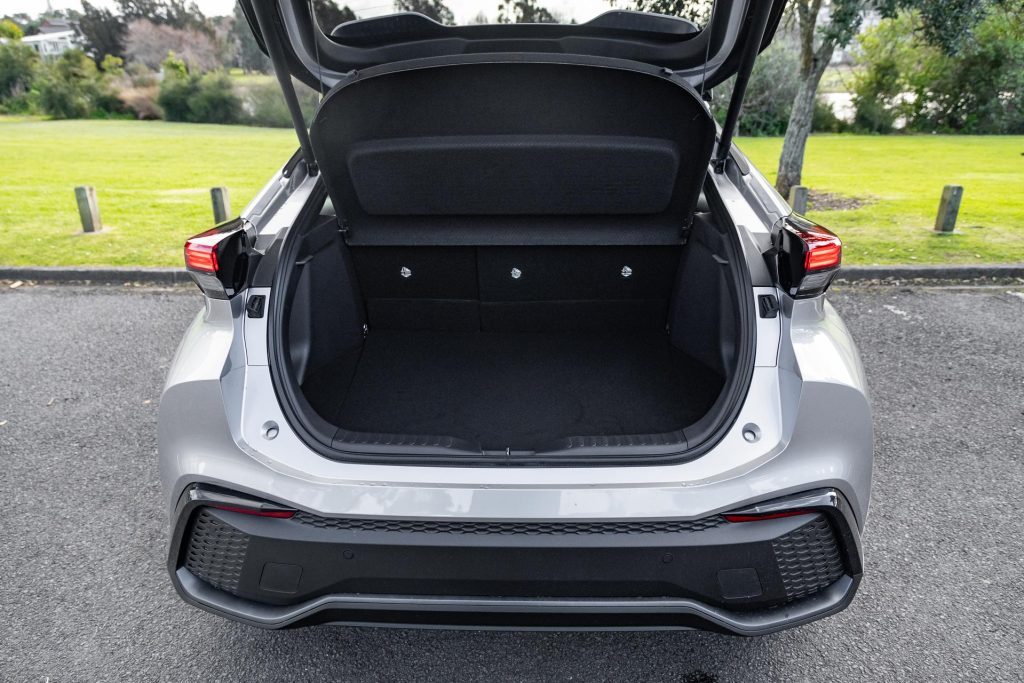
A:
{"x": 895, "y": 183}
{"x": 152, "y": 179}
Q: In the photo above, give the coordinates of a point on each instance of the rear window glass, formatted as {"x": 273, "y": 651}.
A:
{"x": 463, "y": 12}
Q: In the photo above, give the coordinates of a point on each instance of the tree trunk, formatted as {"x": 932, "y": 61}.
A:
{"x": 813, "y": 63}
{"x": 791, "y": 162}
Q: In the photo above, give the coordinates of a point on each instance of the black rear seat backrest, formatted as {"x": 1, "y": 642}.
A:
{"x": 517, "y": 288}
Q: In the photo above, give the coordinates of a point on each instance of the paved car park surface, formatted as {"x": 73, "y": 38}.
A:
{"x": 84, "y": 594}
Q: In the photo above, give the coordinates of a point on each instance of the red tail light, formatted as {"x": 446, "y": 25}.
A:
{"x": 754, "y": 517}
{"x": 807, "y": 257}
{"x": 218, "y": 259}
{"x": 824, "y": 250}
{"x": 200, "y": 256}
{"x": 257, "y": 512}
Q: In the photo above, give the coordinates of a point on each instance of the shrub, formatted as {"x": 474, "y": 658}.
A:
{"x": 62, "y": 99}
{"x": 72, "y": 87}
{"x": 265, "y": 106}
{"x": 825, "y": 120}
{"x": 139, "y": 76}
{"x": 142, "y": 102}
{"x": 214, "y": 100}
{"x": 173, "y": 96}
{"x": 197, "y": 99}
{"x": 112, "y": 66}
{"x": 19, "y": 65}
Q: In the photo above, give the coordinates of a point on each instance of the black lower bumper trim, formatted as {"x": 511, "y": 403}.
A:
{"x": 512, "y": 614}
{"x": 740, "y": 577}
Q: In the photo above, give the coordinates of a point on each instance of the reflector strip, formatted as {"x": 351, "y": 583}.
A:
{"x": 768, "y": 515}
{"x": 256, "y": 512}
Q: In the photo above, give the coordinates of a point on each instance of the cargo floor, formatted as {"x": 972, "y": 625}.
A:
{"x": 514, "y": 390}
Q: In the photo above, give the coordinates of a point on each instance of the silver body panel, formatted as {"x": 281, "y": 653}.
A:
{"x": 808, "y": 399}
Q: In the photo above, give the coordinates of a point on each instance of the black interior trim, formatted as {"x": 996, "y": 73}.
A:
{"x": 513, "y": 175}
{"x": 477, "y": 148}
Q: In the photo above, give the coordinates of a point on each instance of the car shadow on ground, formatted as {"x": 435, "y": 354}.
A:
{"x": 422, "y": 654}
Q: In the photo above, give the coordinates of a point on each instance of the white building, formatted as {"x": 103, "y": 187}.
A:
{"x": 51, "y": 45}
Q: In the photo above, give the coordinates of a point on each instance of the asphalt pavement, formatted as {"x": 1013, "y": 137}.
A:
{"x": 84, "y": 593}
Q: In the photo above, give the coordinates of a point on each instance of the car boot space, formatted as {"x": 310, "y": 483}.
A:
{"x": 511, "y": 349}
{"x": 514, "y": 390}
{"x": 523, "y": 278}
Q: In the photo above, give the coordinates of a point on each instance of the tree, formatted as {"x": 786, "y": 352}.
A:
{"x": 524, "y": 12}
{"x": 434, "y": 9}
{"x": 174, "y": 13}
{"x": 945, "y": 23}
{"x": 149, "y": 44}
{"x": 330, "y": 16}
{"x": 8, "y": 29}
{"x": 102, "y": 31}
{"x": 769, "y": 96}
{"x": 818, "y": 39}
{"x": 224, "y": 40}
{"x": 248, "y": 54}
{"x": 948, "y": 24}
{"x": 27, "y": 24}
{"x": 978, "y": 87}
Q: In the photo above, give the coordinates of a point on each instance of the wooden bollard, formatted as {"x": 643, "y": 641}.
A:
{"x": 798, "y": 198}
{"x": 221, "y": 204}
{"x": 949, "y": 208}
{"x": 88, "y": 208}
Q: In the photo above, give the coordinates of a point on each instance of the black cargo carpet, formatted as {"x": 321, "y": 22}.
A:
{"x": 515, "y": 390}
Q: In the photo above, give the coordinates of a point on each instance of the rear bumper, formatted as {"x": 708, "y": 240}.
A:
{"x": 746, "y": 578}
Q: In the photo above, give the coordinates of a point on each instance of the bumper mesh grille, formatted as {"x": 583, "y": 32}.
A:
{"x": 216, "y": 552}
{"x": 808, "y": 559}
{"x": 509, "y": 528}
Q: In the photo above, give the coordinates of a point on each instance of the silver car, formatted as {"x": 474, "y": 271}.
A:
{"x": 517, "y": 339}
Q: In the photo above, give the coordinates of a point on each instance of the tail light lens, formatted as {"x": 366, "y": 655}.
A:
{"x": 218, "y": 261}
{"x": 201, "y": 254}
{"x": 807, "y": 257}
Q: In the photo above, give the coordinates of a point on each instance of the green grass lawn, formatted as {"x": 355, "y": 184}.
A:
{"x": 153, "y": 181}
{"x": 900, "y": 180}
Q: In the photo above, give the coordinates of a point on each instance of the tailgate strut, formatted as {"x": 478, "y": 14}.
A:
{"x": 265, "y": 18}
{"x": 759, "y": 21}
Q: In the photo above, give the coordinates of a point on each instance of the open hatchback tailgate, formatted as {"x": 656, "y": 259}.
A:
{"x": 709, "y": 55}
